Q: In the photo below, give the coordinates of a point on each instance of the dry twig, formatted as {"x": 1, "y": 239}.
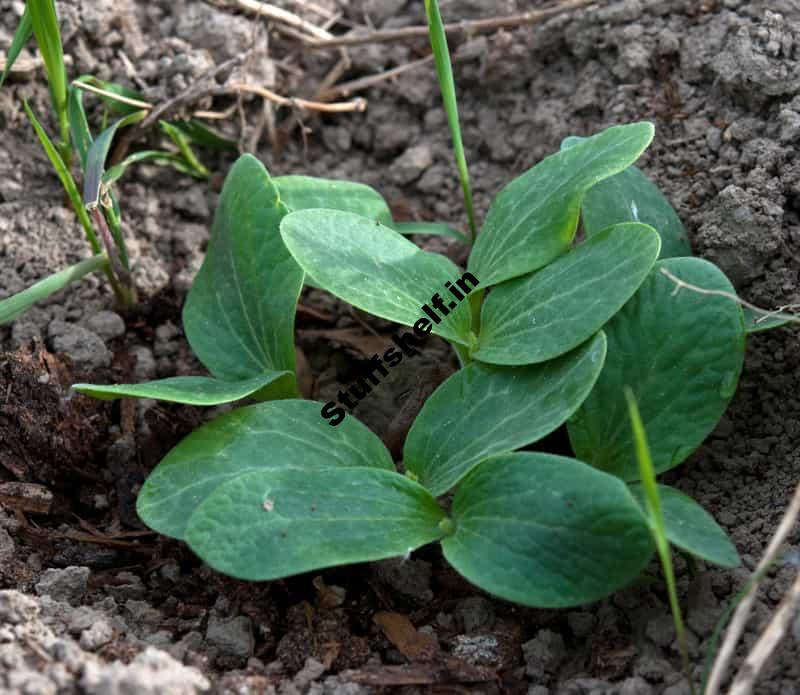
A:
{"x": 748, "y": 673}
{"x": 357, "y": 104}
{"x": 289, "y": 19}
{"x": 742, "y": 613}
{"x": 765, "y": 314}
{"x": 469, "y": 27}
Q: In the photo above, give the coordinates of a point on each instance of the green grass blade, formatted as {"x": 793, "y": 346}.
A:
{"x": 66, "y": 180}
{"x": 204, "y": 136}
{"x": 173, "y": 159}
{"x": 97, "y": 155}
{"x": 444, "y": 71}
{"x": 48, "y": 37}
{"x": 182, "y": 143}
{"x": 21, "y": 36}
{"x": 12, "y": 307}
{"x": 78, "y": 124}
{"x": 657, "y": 526}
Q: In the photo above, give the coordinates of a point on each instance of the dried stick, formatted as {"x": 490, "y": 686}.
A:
{"x": 765, "y": 314}
{"x": 742, "y": 613}
{"x": 290, "y": 19}
{"x": 748, "y": 673}
{"x": 111, "y": 95}
{"x": 475, "y": 26}
{"x": 357, "y": 104}
{"x": 345, "y": 89}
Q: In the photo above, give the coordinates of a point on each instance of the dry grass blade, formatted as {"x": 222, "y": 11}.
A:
{"x": 358, "y": 104}
{"x": 766, "y": 644}
{"x": 263, "y": 9}
{"x": 742, "y": 613}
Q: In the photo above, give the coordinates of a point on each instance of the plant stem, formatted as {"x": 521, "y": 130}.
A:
{"x": 119, "y": 277}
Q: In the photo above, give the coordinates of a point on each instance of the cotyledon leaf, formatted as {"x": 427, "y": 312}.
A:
{"x": 546, "y": 531}
{"x": 191, "y": 390}
{"x": 374, "y": 268}
{"x": 631, "y": 196}
{"x": 239, "y": 315}
{"x": 533, "y": 219}
{"x": 265, "y": 525}
{"x": 681, "y": 354}
{"x": 305, "y": 192}
{"x": 481, "y": 411}
{"x": 690, "y": 527}
{"x": 267, "y": 437}
{"x": 542, "y": 315}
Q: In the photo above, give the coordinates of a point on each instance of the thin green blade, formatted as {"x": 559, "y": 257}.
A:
{"x": 21, "y": 35}
{"x": 12, "y": 307}
{"x": 444, "y": 71}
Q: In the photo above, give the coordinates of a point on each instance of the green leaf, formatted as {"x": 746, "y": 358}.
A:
{"x": 540, "y": 316}
{"x": 631, "y": 196}
{"x": 482, "y": 411}
{"x": 267, "y": 525}
{"x": 374, "y": 268}
{"x": 305, "y": 192}
{"x": 192, "y": 390}
{"x": 14, "y": 306}
{"x": 66, "y": 179}
{"x": 239, "y": 315}
{"x": 78, "y": 123}
{"x": 181, "y": 141}
{"x": 97, "y": 155}
{"x": 546, "y": 531}
{"x": 690, "y": 527}
{"x": 48, "y": 38}
{"x": 444, "y": 71}
{"x": 267, "y": 437}
{"x": 21, "y": 35}
{"x": 681, "y": 355}
{"x": 756, "y": 321}
{"x": 434, "y": 228}
{"x": 173, "y": 159}
{"x": 533, "y": 219}
{"x": 201, "y": 134}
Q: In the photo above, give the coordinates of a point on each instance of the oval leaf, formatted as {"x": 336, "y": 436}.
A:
{"x": 533, "y": 219}
{"x": 690, "y": 527}
{"x": 305, "y": 192}
{"x": 267, "y": 437}
{"x": 545, "y": 314}
{"x": 374, "y": 268}
{"x": 631, "y": 196}
{"x": 266, "y": 525}
{"x": 191, "y": 390}
{"x": 239, "y": 315}
{"x": 681, "y": 355}
{"x": 546, "y": 531}
{"x": 482, "y": 411}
